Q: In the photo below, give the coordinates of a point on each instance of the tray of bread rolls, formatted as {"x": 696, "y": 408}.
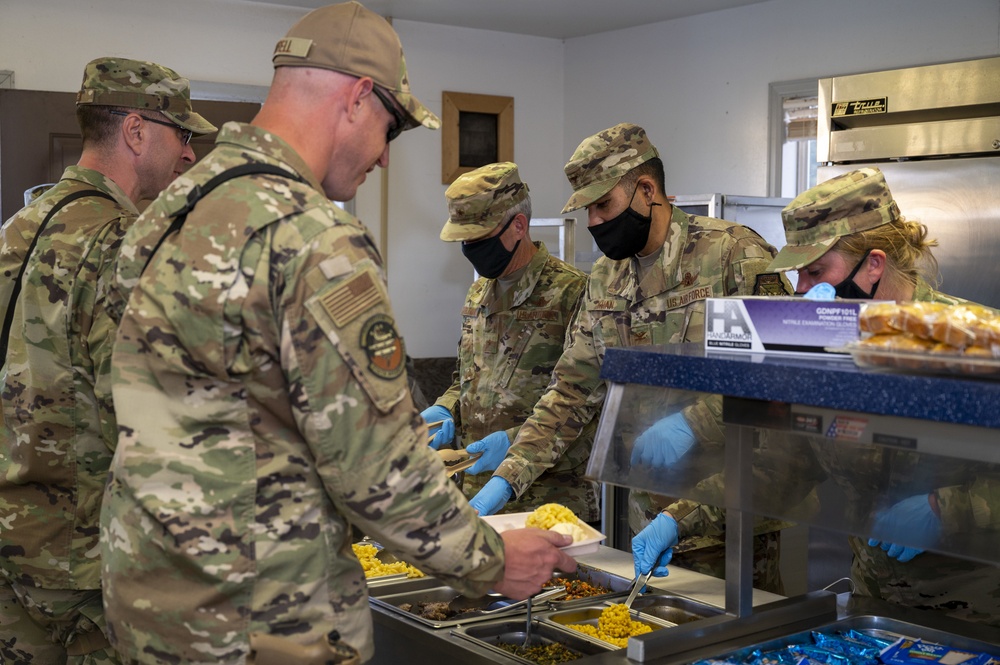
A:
{"x": 939, "y": 338}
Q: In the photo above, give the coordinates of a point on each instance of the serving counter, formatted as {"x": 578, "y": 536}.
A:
{"x": 786, "y": 419}
{"x": 398, "y": 640}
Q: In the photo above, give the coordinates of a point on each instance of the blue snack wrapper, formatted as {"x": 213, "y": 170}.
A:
{"x": 907, "y": 651}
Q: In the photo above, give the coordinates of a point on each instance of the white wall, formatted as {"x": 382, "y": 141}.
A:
{"x": 428, "y": 278}
{"x": 47, "y": 43}
{"x": 699, "y": 86}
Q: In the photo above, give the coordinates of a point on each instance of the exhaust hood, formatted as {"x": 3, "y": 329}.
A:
{"x": 946, "y": 110}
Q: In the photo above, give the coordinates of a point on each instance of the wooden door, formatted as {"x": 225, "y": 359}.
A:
{"x": 39, "y": 137}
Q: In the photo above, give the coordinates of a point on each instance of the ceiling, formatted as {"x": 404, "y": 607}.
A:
{"x": 559, "y": 19}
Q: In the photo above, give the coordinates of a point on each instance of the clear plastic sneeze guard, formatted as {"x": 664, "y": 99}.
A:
{"x": 837, "y": 470}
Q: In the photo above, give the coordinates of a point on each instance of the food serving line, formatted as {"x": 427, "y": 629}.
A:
{"x": 401, "y": 637}
{"x": 695, "y": 616}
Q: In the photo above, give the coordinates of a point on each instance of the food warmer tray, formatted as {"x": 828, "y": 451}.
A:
{"x": 391, "y": 597}
{"x": 619, "y": 586}
{"x": 511, "y": 631}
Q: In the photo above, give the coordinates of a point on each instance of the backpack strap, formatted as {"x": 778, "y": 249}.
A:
{"x": 199, "y": 192}
{"x": 8, "y": 319}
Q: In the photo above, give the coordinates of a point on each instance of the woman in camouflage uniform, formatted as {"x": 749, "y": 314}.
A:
{"x": 848, "y": 232}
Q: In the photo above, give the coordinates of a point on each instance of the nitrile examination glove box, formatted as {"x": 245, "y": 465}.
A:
{"x": 757, "y": 324}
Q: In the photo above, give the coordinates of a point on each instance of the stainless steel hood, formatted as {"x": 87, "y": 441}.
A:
{"x": 951, "y": 109}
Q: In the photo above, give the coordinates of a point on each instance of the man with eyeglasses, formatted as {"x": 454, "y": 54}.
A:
{"x": 514, "y": 321}
{"x": 260, "y": 382}
{"x": 59, "y": 431}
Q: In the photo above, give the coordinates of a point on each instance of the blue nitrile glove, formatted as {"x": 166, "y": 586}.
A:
{"x": 494, "y": 496}
{"x": 664, "y": 443}
{"x": 821, "y": 291}
{"x": 652, "y": 547}
{"x": 911, "y": 519}
{"x": 443, "y": 433}
{"x": 494, "y": 449}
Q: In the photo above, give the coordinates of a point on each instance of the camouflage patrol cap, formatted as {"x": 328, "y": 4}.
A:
{"x": 141, "y": 85}
{"x": 817, "y": 218}
{"x": 601, "y": 161}
{"x": 350, "y": 39}
{"x": 479, "y": 201}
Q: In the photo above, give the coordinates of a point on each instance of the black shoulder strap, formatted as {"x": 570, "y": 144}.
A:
{"x": 8, "y": 319}
{"x": 198, "y": 192}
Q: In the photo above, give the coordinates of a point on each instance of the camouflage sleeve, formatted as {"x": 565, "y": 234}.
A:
{"x": 12, "y": 249}
{"x": 99, "y": 327}
{"x": 746, "y": 268}
{"x": 450, "y": 399}
{"x": 973, "y": 506}
{"x": 572, "y": 399}
{"x": 344, "y": 361}
{"x": 705, "y": 419}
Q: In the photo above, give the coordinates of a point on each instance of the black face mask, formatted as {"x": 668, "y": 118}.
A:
{"x": 625, "y": 235}
{"x": 488, "y": 256}
{"x": 848, "y": 289}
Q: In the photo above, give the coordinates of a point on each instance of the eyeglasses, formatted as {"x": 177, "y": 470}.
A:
{"x": 185, "y": 134}
{"x": 397, "y": 128}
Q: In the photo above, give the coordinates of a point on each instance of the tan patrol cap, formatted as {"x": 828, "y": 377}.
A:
{"x": 350, "y": 39}
{"x": 479, "y": 201}
{"x": 601, "y": 161}
{"x": 815, "y": 219}
{"x": 138, "y": 84}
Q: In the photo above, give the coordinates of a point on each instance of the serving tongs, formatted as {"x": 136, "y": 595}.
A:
{"x": 457, "y": 460}
{"x": 460, "y": 603}
{"x": 640, "y": 582}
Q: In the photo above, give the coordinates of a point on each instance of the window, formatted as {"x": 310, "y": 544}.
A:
{"x": 793, "y": 118}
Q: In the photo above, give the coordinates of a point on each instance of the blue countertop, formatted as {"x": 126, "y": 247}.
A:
{"x": 834, "y": 383}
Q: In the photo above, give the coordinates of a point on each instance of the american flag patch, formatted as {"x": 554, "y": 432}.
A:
{"x": 351, "y": 299}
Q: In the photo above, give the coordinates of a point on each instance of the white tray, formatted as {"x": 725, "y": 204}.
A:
{"x": 510, "y": 521}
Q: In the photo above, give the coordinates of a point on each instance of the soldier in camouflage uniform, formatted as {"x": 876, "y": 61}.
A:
{"x": 260, "y": 384}
{"x": 848, "y": 232}
{"x": 660, "y": 265}
{"x": 514, "y": 324}
{"x": 59, "y": 430}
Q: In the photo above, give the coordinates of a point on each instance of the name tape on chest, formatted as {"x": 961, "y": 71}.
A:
{"x": 537, "y": 315}
{"x": 685, "y": 298}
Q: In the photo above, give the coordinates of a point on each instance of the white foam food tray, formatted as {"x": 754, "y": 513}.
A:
{"x": 510, "y": 521}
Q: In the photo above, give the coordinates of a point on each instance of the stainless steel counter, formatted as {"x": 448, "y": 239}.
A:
{"x": 399, "y": 641}
{"x": 776, "y": 621}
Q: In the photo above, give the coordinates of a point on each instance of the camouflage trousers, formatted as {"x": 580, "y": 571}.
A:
{"x": 711, "y": 560}
{"x": 958, "y": 588}
{"x": 52, "y": 626}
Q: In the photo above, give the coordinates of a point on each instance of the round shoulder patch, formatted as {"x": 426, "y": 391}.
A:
{"x": 383, "y": 346}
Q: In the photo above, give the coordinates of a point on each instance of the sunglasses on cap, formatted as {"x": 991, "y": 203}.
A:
{"x": 185, "y": 134}
{"x": 397, "y": 128}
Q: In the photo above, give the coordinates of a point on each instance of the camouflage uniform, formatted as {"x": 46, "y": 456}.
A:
{"x": 263, "y": 409}
{"x": 852, "y": 203}
{"x": 59, "y": 426}
{"x": 701, "y": 258}
{"x": 511, "y": 340}
{"x": 508, "y": 348}
{"x": 59, "y": 423}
